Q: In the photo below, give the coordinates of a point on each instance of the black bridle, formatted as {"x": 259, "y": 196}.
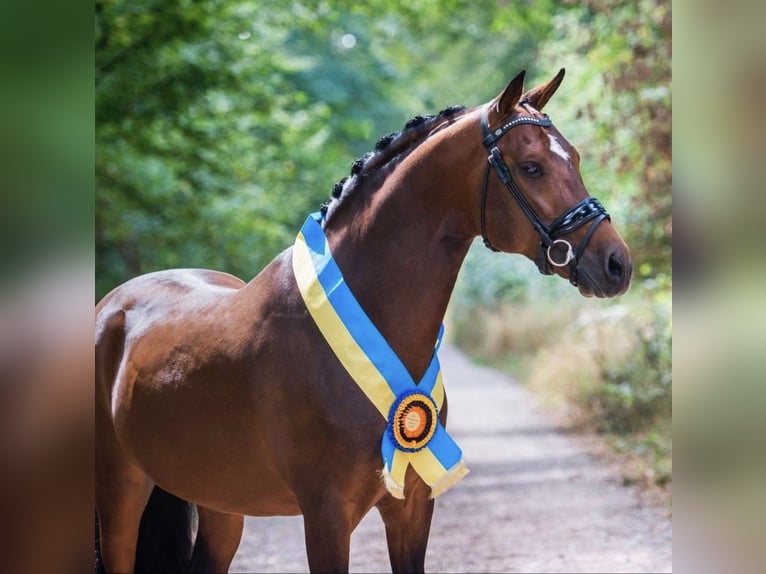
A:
{"x": 589, "y": 209}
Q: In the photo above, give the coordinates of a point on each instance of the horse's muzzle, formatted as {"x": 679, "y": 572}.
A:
{"x": 607, "y": 276}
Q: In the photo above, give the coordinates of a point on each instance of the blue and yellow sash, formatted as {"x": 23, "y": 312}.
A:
{"x": 414, "y": 435}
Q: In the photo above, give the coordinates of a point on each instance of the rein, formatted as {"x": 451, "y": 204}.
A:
{"x": 589, "y": 209}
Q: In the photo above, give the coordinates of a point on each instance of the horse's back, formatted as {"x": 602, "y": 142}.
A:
{"x": 169, "y": 287}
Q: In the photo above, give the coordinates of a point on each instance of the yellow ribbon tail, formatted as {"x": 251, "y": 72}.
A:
{"x": 449, "y": 480}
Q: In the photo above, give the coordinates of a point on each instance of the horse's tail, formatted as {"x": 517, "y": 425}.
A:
{"x": 165, "y": 534}
{"x": 99, "y": 562}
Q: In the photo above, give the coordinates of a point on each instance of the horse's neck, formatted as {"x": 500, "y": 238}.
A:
{"x": 400, "y": 250}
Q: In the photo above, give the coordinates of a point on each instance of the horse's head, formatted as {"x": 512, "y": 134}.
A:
{"x": 534, "y": 201}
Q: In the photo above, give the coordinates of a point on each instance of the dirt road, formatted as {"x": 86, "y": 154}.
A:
{"x": 533, "y": 502}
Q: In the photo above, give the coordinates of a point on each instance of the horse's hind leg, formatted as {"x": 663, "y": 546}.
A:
{"x": 122, "y": 491}
{"x": 218, "y": 538}
{"x": 408, "y": 523}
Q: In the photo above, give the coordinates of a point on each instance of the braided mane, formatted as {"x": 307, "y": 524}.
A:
{"x": 389, "y": 149}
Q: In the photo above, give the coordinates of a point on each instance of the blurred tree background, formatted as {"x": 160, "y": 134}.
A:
{"x": 221, "y": 124}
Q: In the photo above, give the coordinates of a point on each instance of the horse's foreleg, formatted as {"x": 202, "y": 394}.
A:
{"x": 327, "y": 528}
{"x": 218, "y": 538}
{"x": 408, "y": 523}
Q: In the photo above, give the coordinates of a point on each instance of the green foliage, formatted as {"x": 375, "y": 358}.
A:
{"x": 483, "y": 284}
{"x": 637, "y": 391}
{"x": 214, "y": 131}
{"x": 221, "y": 124}
{"x": 620, "y": 53}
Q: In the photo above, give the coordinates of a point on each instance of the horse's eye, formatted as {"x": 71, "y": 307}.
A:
{"x": 531, "y": 170}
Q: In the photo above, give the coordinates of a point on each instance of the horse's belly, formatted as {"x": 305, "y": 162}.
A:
{"x": 205, "y": 442}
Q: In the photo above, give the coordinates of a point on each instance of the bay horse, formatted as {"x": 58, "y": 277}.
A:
{"x": 224, "y": 394}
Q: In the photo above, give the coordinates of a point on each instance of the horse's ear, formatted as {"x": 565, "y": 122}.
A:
{"x": 507, "y": 100}
{"x": 540, "y": 95}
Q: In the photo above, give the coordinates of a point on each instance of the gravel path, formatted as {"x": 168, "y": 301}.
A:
{"x": 533, "y": 502}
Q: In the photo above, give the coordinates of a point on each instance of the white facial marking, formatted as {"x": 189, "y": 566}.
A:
{"x": 557, "y": 148}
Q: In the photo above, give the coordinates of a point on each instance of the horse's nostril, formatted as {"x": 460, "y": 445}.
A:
{"x": 614, "y": 267}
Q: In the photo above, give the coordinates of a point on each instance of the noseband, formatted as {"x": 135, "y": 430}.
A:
{"x": 589, "y": 209}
